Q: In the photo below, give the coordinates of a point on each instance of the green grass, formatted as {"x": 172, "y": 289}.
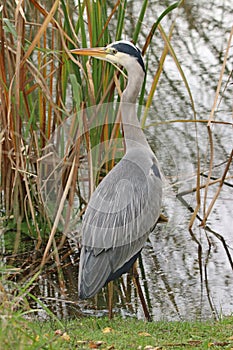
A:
{"x": 101, "y": 333}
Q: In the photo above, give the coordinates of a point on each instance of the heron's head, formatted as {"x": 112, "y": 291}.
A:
{"x": 120, "y": 52}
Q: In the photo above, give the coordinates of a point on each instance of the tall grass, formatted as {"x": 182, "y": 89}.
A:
{"x": 41, "y": 87}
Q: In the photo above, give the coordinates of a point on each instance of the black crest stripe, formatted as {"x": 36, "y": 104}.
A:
{"x": 130, "y": 50}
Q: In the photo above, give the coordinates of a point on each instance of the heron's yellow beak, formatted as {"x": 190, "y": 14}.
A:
{"x": 99, "y": 52}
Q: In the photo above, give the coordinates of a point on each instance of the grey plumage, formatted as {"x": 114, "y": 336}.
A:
{"x": 126, "y": 204}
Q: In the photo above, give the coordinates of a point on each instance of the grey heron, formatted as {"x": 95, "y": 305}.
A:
{"x": 125, "y": 206}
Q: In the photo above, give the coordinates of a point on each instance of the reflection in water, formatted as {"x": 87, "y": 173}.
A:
{"x": 188, "y": 274}
{"x": 197, "y": 265}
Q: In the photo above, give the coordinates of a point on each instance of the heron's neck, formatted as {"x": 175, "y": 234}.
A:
{"x": 133, "y": 134}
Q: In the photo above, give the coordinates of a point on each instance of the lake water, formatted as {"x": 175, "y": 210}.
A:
{"x": 190, "y": 274}
{"x": 186, "y": 274}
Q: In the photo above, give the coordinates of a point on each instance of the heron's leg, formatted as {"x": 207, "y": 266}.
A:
{"x": 140, "y": 292}
{"x": 110, "y": 299}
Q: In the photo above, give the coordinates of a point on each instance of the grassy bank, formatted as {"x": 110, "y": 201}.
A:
{"x": 93, "y": 333}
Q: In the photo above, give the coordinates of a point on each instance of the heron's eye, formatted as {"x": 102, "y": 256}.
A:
{"x": 111, "y": 50}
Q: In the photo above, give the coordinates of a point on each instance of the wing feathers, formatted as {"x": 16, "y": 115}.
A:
{"x": 124, "y": 206}
{"x": 97, "y": 270}
{"x": 120, "y": 214}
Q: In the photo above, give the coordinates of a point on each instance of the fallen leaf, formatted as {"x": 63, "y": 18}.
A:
{"x": 65, "y": 336}
{"x": 95, "y": 344}
{"x": 107, "y": 330}
{"x": 58, "y": 332}
{"x": 150, "y": 347}
{"x": 82, "y": 342}
{"x": 144, "y": 334}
